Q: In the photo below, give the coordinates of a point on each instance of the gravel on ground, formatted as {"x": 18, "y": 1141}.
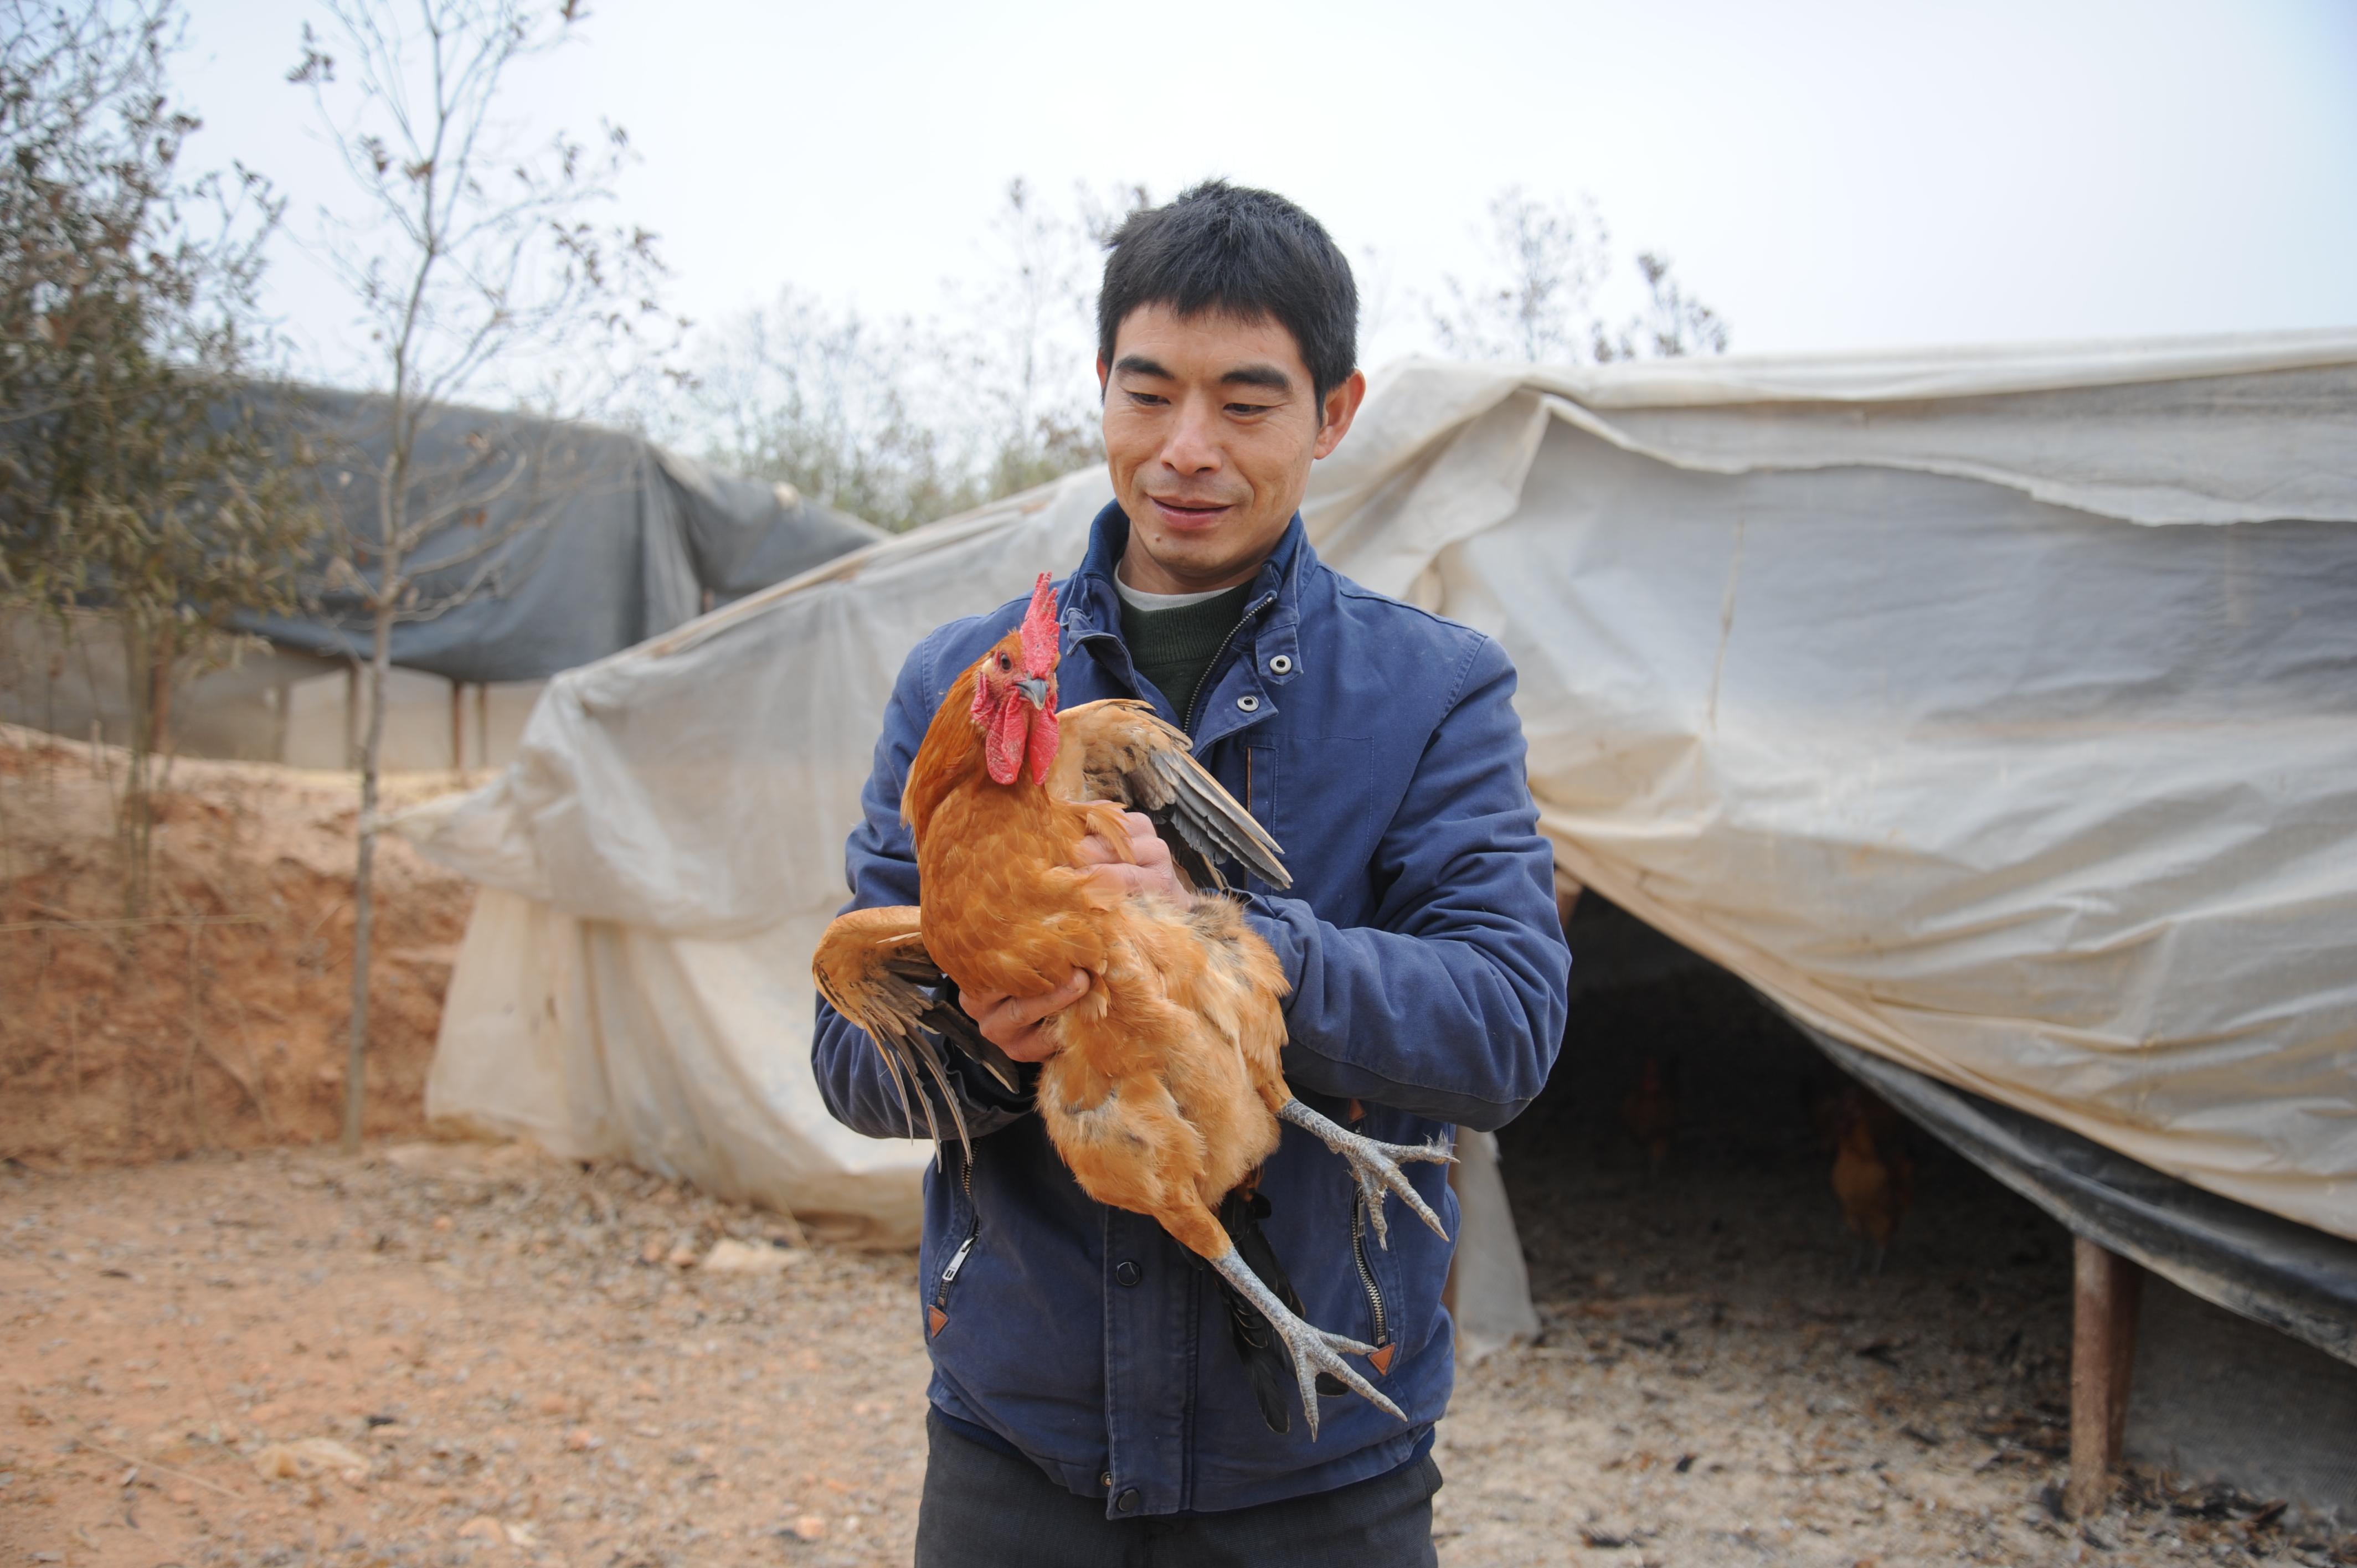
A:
{"x": 460, "y": 1354}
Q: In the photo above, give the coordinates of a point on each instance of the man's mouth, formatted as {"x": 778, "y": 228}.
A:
{"x": 1190, "y": 511}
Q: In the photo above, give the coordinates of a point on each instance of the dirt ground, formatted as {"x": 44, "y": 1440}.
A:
{"x": 216, "y": 1017}
{"x": 439, "y": 1354}
{"x": 264, "y": 1353}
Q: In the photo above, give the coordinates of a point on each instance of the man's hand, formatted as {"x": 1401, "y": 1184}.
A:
{"x": 1151, "y": 873}
{"x": 1012, "y": 1023}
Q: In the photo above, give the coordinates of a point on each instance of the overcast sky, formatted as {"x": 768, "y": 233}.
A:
{"x": 1828, "y": 176}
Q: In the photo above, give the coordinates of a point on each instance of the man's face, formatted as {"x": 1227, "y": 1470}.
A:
{"x": 1210, "y": 425}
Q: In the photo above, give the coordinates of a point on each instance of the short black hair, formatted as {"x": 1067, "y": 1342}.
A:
{"x": 1243, "y": 252}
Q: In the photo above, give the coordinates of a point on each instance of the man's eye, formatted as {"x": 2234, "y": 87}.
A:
{"x": 1147, "y": 400}
{"x": 1250, "y": 408}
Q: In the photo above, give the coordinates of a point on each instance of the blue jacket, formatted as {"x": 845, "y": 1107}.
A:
{"x": 1379, "y": 744}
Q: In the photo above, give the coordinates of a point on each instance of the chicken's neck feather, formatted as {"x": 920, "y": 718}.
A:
{"x": 950, "y": 762}
{"x": 949, "y": 758}
{"x": 1003, "y": 907}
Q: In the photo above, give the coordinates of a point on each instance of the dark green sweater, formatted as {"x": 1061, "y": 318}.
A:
{"x": 1174, "y": 648}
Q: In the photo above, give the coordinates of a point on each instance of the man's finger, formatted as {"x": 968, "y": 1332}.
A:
{"x": 1028, "y": 1010}
{"x": 978, "y": 1005}
{"x": 1127, "y": 879}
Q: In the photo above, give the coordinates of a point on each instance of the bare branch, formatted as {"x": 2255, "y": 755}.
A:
{"x": 1537, "y": 301}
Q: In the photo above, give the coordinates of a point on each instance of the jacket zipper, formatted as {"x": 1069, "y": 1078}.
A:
{"x": 973, "y": 1227}
{"x": 1366, "y": 1271}
{"x": 1195, "y": 704}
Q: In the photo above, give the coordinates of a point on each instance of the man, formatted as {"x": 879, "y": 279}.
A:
{"x": 1088, "y": 1405}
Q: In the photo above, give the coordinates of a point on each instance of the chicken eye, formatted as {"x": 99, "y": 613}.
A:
{"x": 1005, "y": 662}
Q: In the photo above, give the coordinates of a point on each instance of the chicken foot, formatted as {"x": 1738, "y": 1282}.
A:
{"x": 1376, "y": 1166}
{"x": 1313, "y": 1349}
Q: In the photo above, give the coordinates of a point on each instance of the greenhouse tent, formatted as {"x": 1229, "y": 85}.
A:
{"x": 563, "y": 542}
{"x": 1992, "y": 712}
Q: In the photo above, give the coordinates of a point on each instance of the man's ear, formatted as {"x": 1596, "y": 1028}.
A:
{"x": 1341, "y": 407}
{"x": 1103, "y": 373}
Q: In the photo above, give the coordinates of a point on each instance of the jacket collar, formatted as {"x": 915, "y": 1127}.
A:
{"x": 1090, "y": 605}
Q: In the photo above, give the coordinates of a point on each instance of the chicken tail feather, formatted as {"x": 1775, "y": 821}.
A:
{"x": 899, "y": 1084}
{"x": 922, "y": 1049}
{"x": 1266, "y": 1366}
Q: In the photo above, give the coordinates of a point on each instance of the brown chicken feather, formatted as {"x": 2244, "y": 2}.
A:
{"x": 1872, "y": 1175}
{"x": 1165, "y": 1086}
{"x": 1165, "y": 1089}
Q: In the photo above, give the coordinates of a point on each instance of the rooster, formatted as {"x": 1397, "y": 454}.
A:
{"x": 1164, "y": 1094}
{"x": 1650, "y": 1112}
{"x": 1873, "y": 1176}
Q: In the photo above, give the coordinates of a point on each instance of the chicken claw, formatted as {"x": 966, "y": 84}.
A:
{"x": 1376, "y": 1166}
{"x": 1313, "y": 1349}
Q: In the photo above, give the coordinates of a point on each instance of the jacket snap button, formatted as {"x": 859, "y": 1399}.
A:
{"x": 1127, "y": 1272}
{"x": 1281, "y": 665}
{"x": 1105, "y": 1480}
{"x": 1127, "y": 1501}
{"x": 1249, "y": 704}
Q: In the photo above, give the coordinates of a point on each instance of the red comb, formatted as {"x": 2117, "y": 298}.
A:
{"x": 1040, "y": 629}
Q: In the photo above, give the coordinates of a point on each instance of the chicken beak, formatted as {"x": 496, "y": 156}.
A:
{"x": 1036, "y": 689}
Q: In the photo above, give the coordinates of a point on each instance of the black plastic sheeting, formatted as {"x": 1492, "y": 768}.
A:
{"x": 563, "y": 543}
{"x": 2289, "y": 1276}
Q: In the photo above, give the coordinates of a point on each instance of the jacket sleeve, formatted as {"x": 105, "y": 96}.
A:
{"x": 1451, "y": 1002}
{"x": 881, "y": 864}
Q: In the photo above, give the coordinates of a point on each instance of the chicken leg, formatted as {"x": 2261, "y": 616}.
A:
{"x": 1313, "y": 1349}
{"x": 1376, "y": 1166}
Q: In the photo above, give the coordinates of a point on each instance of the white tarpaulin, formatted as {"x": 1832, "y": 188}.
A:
{"x": 1995, "y": 711}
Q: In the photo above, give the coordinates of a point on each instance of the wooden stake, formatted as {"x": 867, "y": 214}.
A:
{"x": 1567, "y": 897}
{"x": 2106, "y": 1289}
{"x": 457, "y": 727}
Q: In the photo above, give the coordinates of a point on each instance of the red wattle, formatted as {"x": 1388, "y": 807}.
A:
{"x": 1043, "y": 741}
{"x": 1002, "y": 751}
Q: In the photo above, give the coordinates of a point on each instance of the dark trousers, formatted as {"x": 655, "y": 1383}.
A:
{"x": 983, "y": 1509}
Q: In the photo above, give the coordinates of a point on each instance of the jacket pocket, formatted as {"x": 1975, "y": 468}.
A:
{"x": 1382, "y": 1312}
{"x": 937, "y": 1304}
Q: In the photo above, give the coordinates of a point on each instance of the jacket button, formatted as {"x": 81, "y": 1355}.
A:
{"x": 1105, "y": 1480}
{"x": 1281, "y": 665}
{"x": 1127, "y": 1501}
{"x": 1248, "y": 702}
{"x": 1127, "y": 1272}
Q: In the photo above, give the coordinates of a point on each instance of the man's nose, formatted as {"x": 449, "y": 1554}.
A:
{"x": 1193, "y": 447}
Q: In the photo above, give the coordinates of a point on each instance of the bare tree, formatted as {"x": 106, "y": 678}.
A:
{"x": 137, "y": 479}
{"x": 1672, "y": 324}
{"x": 1032, "y": 311}
{"x": 1538, "y": 300}
{"x": 475, "y": 260}
{"x": 831, "y": 402}
{"x": 1547, "y": 261}
{"x": 903, "y": 421}
{"x": 1031, "y": 334}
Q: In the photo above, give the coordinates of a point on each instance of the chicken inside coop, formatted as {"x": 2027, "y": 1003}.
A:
{"x": 1683, "y": 1090}
{"x": 1873, "y": 1174}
